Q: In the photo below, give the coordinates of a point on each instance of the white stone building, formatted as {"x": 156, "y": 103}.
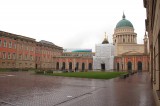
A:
{"x": 104, "y": 56}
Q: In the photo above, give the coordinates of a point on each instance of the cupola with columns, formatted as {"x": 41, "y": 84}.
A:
{"x": 124, "y": 32}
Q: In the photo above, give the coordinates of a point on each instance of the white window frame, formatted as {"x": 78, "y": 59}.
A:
{"x": 4, "y": 55}
{"x": 5, "y": 43}
{"x": 9, "y": 55}
{"x": 10, "y": 44}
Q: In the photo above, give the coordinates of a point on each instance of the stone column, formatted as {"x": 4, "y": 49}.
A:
{"x": 87, "y": 65}
{"x": 117, "y": 38}
{"x": 132, "y": 39}
{"x": 121, "y": 39}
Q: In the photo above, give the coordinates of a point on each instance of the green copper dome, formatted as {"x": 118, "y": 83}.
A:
{"x": 124, "y": 23}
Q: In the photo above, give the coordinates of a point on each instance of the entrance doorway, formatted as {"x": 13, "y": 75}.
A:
{"x": 103, "y": 66}
{"x": 117, "y": 66}
{"x": 36, "y": 66}
{"x": 139, "y": 65}
{"x": 57, "y": 66}
{"x": 83, "y": 66}
{"x": 129, "y": 67}
{"x": 90, "y": 66}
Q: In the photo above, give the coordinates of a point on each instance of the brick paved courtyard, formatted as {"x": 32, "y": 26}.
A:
{"x": 27, "y": 89}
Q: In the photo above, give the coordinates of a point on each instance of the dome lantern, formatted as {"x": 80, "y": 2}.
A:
{"x": 123, "y": 17}
{"x": 105, "y": 41}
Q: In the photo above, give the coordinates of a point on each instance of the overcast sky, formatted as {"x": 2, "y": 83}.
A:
{"x": 70, "y": 23}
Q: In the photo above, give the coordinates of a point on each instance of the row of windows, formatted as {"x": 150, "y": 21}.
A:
{"x": 49, "y": 52}
{"x": 10, "y": 45}
{"x": 13, "y": 56}
{"x": 22, "y": 47}
{"x": 13, "y": 64}
{"x": 47, "y": 59}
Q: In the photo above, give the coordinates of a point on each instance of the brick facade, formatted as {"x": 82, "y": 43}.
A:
{"x": 131, "y": 63}
{"x": 22, "y": 52}
{"x": 79, "y": 61}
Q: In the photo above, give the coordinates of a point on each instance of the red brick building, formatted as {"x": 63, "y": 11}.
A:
{"x": 22, "y": 52}
{"x": 132, "y": 62}
{"x": 79, "y": 60}
{"x": 45, "y": 54}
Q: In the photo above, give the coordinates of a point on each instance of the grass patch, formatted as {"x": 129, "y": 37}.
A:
{"x": 94, "y": 75}
{"x": 8, "y": 69}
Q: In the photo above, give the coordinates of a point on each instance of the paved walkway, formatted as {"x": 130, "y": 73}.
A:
{"x": 26, "y": 89}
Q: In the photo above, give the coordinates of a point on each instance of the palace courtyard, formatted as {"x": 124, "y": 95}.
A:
{"x": 28, "y": 89}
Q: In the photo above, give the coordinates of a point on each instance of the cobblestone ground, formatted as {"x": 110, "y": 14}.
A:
{"x": 27, "y": 89}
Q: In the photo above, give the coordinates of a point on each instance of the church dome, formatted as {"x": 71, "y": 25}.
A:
{"x": 124, "y": 23}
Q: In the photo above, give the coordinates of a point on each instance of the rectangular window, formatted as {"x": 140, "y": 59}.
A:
{"x": 31, "y": 57}
{"x": 14, "y": 56}
{"x": 20, "y": 64}
{"x": 3, "y": 63}
{"x": 4, "y": 55}
{"x": 15, "y": 46}
{"x": 26, "y": 57}
{"x": 22, "y": 46}
{"x": 9, "y": 56}
{"x": 10, "y": 44}
{"x": 5, "y": 44}
{"x": 32, "y": 48}
{"x": 20, "y": 56}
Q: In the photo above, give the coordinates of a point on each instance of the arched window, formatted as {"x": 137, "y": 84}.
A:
{"x": 139, "y": 66}
{"x": 129, "y": 66}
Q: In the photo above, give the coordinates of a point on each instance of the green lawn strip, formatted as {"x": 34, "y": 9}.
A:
{"x": 95, "y": 75}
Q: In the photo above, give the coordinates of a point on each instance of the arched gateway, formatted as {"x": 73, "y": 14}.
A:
{"x": 129, "y": 66}
{"x": 139, "y": 66}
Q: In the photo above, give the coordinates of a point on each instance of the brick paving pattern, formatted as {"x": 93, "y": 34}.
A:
{"x": 27, "y": 89}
